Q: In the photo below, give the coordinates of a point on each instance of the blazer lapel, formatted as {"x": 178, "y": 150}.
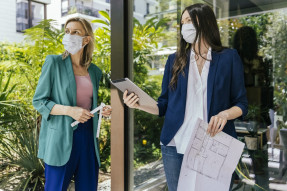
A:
{"x": 211, "y": 78}
{"x": 73, "y": 86}
{"x": 94, "y": 82}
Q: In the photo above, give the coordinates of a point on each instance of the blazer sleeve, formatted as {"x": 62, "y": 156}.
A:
{"x": 238, "y": 91}
{"x": 41, "y": 100}
{"x": 163, "y": 98}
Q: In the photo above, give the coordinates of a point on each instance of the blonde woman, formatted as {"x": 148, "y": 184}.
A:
{"x": 67, "y": 90}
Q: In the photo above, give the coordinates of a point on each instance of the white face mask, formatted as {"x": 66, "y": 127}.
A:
{"x": 188, "y": 32}
{"x": 73, "y": 43}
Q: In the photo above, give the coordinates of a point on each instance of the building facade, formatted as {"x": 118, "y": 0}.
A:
{"x": 19, "y": 15}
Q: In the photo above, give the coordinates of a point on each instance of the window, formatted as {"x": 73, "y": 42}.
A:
{"x": 87, "y": 7}
{"x": 37, "y": 13}
{"x": 64, "y": 7}
{"x": 29, "y": 14}
{"x": 22, "y": 20}
{"x": 263, "y": 57}
{"x": 147, "y": 8}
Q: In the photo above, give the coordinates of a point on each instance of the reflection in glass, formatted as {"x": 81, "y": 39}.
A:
{"x": 265, "y": 81}
{"x": 23, "y": 19}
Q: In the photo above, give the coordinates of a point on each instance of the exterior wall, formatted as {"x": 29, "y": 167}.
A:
{"x": 8, "y": 15}
{"x": 8, "y": 21}
{"x": 54, "y": 11}
{"x": 140, "y": 9}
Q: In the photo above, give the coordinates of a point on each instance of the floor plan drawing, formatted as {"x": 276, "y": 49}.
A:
{"x": 209, "y": 159}
{"x": 209, "y": 154}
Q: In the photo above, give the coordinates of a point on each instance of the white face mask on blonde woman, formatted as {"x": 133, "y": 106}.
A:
{"x": 73, "y": 43}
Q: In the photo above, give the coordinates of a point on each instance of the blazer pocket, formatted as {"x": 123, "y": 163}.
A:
{"x": 50, "y": 133}
{"x": 52, "y": 124}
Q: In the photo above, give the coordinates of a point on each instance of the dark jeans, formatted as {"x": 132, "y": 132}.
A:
{"x": 172, "y": 165}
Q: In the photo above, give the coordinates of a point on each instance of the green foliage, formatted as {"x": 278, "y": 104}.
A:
{"x": 5, "y": 92}
{"x": 276, "y": 45}
{"x": 259, "y": 23}
{"x": 271, "y": 30}
{"x": 26, "y": 59}
{"x": 143, "y": 153}
{"x": 102, "y": 55}
{"x": 12, "y": 112}
{"x": 147, "y": 126}
{"x": 18, "y": 146}
{"x": 21, "y": 165}
{"x": 105, "y": 140}
{"x": 254, "y": 113}
{"x": 271, "y": 33}
{"x": 21, "y": 67}
{"x": 145, "y": 41}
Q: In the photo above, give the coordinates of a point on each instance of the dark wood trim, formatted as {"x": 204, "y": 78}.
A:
{"x": 122, "y": 120}
{"x": 29, "y": 13}
{"x": 45, "y": 11}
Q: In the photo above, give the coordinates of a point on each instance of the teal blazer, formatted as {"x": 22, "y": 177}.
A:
{"x": 57, "y": 85}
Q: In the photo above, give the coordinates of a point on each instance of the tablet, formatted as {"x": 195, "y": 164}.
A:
{"x": 126, "y": 84}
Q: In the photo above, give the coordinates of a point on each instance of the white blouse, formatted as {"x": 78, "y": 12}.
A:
{"x": 196, "y": 102}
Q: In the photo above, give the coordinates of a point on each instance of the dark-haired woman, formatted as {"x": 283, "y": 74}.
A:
{"x": 201, "y": 80}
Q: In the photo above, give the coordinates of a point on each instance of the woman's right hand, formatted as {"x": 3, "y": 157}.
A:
{"x": 80, "y": 114}
{"x": 131, "y": 100}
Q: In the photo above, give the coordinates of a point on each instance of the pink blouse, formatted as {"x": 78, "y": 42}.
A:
{"x": 84, "y": 91}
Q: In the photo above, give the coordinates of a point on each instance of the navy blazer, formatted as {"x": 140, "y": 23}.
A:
{"x": 225, "y": 89}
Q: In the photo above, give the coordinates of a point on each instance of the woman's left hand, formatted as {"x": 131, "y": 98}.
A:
{"x": 107, "y": 111}
{"x": 217, "y": 123}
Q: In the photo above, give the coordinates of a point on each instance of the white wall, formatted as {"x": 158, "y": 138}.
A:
{"x": 44, "y": 1}
{"x": 141, "y": 9}
{"x": 8, "y": 16}
{"x": 140, "y": 6}
{"x": 102, "y": 5}
{"x": 8, "y": 22}
{"x": 54, "y": 11}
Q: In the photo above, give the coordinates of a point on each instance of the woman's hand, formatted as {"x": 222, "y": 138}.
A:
{"x": 217, "y": 123}
{"x": 107, "y": 111}
{"x": 131, "y": 100}
{"x": 80, "y": 114}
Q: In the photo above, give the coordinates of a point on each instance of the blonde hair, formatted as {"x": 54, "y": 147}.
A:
{"x": 87, "y": 56}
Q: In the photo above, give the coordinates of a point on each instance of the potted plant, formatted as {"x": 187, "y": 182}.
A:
{"x": 252, "y": 124}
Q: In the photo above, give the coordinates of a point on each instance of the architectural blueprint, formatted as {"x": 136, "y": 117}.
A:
{"x": 209, "y": 162}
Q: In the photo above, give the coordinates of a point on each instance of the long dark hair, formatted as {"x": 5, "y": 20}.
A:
{"x": 204, "y": 21}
